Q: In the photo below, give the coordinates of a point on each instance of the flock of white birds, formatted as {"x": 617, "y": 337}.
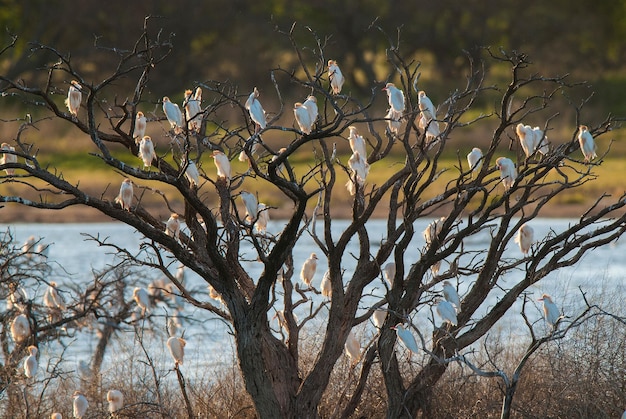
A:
{"x": 532, "y": 140}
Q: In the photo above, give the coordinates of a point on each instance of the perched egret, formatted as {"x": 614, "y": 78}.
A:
{"x": 550, "y": 310}
{"x": 191, "y": 173}
{"x": 264, "y": 218}
{"x": 116, "y": 400}
{"x": 378, "y": 317}
{"x": 74, "y": 97}
{"x": 142, "y": 298}
{"x": 125, "y": 197}
{"x": 8, "y": 158}
{"x": 20, "y": 328}
{"x": 141, "y": 124}
{"x": 193, "y": 111}
{"x": 303, "y": 117}
{"x": 433, "y": 230}
{"x": 393, "y": 121}
{"x": 447, "y": 312}
{"x": 432, "y": 130}
{"x": 311, "y": 105}
{"x": 257, "y": 114}
{"x": 541, "y": 141}
{"x": 29, "y": 244}
{"x": 223, "y": 164}
{"x": 80, "y": 405}
{"x": 251, "y": 204}
{"x": 426, "y": 106}
{"x": 526, "y": 137}
{"x": 475, "y": 160}
{"x": 587, "y": 144}
{"x": 326, "y": 286}
{"x": 173, "y": 115}
{"x": 359, "y": 166}
{"x": 52, "y": 298}
{"x": 335, "y": 76}
{"x": 30, "y": 363}
{"x": 396, "y": 99}
{"x": 357, "y": 143}
{"x": 450, "y": 294}
{"x": 508, "y": 173}
{"x": 146, "y": 151}
{"x": 389, "y": 272}
{"x": 308, "y": 269}
{"x": 524, "y": 238}
{"x": 406, "y": 337}
{"x": 172, "y": 226}
{"x": 177, "y": 349}
{"x": 353, "y": 349}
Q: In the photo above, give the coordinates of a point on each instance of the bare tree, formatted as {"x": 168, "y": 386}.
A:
{"x": 472, "y": 203}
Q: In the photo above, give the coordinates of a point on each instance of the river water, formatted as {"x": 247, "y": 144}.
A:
{"x": 600, "y": 274}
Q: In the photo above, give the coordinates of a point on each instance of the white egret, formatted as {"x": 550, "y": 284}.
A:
{"x": 20, "y": 328}
{"x": 254, "y": 107}
{"x": 359, "y": 166}
{"x": 335, "y": 76}
{"x": 308, "y": 269}
{"x": 357, "y": 143}
{"x": 303, "y": 118}
{"x": 173, "y": 114}
{"x": 587, "y": 144}
{"x": 146, "y": 151}
{"x": 251, "y": 204}
{"x": 550, "y": 310}
{"x": 433, "y": 230}
{"x": 326, "y": 287}
{"x": 177, "y": 349}
{"x": 524, "y": 238}
{"x": 264, "y": 218}
{"x": 30, "y": 363}
{"x": 172, "y": 226}
{"x": 450, "y": 294}
{"x": 80, "y": 405}
{"x": 526, "y": 137}
{"x": 141, "y": 123}
{"x": 191, "y": 173}
{"x": 393, "y": 121}
{"x": 378, "y": 317}
{"x": 193, "y": 111}
{"x": 53, "y": 297}
{"x": 29, "y": 245}
{"x": 125, "y": 197}
{"x": 142, "y": 298}
{"x": 353, "y": 349}
{"x": 222, "y": 163}
{"x": 508, "y": 173}
{"x": 180, "y": 273}
{"x": 311, "y": 105}
{"x": 8, "y": 158}
{"x": 432, "y": 129}
{"x": 406, "y": 337}
{"x": 116, "y": 400}
{"x": 475, "y": 160}
{"x": 426, "y": 106}
{"x": 447, "y": 312}
{"x": 396, "y": 99}
{"x": 541, "y": 141}
{"x": 389, "y": 272}
{"x": 74, "y": 97}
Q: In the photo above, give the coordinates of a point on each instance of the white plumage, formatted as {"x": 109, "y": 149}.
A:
{"x": 52, "y": 298}
{"x": 378, "y": 317}
{"x": 251, "y": 204}
{"x": 451, "y": 295}
{"x": 335, "y": 76}
{"x": 222, "y": 164}
{"x": 447, "y": 312}
{"x": 357, "y": 143}
{"x": 8, "y": 158}
{"x": 308, "y": 269}
{"x": 125, "y": 197}
{"x": 474, "y": 159}
{"x": 393, "y": 121}
{"x": 396, "y": 99}
{"x": 587, "y": 144}
{"x": 141, "y": 123}
{"x": 142, "y": 298}
{"x": 541, "y": 141}
{"x": 191, "y": 173}
{"x": 56, "y": 415}
{"x": 264, "y": 218}
{"x": 116, "y": 400}
{"x": 525, "y": 237}
{"x": 353, "y": 349}
{"x": 432, "y": 129}
{"x": 172, "y": 226}
{"x": 311, "y": 105}
{"x": 550, "y": 310}
{"x": 526, "y": 138}
{"x": 20, "y": 328}
{"x": 30, "y": 363}
{"x": 193, "y": 111}
{"x": 426, "y": 106}
{"x": 177, "y": 349}
{"x": 80, "y": 405}
{"x": 146, "y": 151}
{"x": 432, "y": 230}
{"x": 389, "y": 272}
{"x": 326, "y": 286}
{"x": 74, "y": 97}
{"x": 173, "y": 115}
{"x": 254, "y": 107}
{"x": 303, "y": 117}
{"x": 508, "y": 173}
{"x": 406, "y": 337}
